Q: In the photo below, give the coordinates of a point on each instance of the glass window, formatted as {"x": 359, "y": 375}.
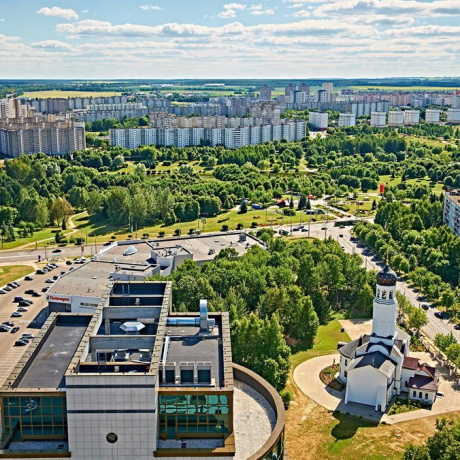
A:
{"x": 193, "y": 414}
{"x": 35, "y": 416}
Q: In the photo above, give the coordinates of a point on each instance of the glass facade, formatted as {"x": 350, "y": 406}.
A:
{"x": 193, "y": 415}
{"x": 39, "y": 417}
{"x": 277, "y": 451}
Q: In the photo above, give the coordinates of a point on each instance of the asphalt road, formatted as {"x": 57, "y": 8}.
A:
{"x": 10, "y": 354}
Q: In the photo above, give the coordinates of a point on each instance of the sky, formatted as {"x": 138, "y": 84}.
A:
{"x": 167, "y": 39}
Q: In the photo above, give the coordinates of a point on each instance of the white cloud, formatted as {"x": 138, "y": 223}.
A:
{"x": 301, "y": 14}
{"x": 52, "y": 45}
{"x": 268, "y": 11}
{"x": 58, "y": 12}
{"x": 235, "y": 6}
{"x": 150, "y": 7}
{"x": 227, "y": 14}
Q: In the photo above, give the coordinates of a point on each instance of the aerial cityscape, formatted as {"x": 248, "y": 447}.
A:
{"x": 230, "y": 230}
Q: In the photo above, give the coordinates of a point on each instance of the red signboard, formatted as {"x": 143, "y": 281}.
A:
{"x": 381, "y": 188}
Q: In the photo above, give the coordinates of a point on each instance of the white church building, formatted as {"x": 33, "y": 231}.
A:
{"x": 377, "y": 367}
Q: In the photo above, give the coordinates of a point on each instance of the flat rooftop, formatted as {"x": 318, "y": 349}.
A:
{"x": 48, "y": 366}
{"x": 201, "y": 245}
{"x": 115, "y": 253}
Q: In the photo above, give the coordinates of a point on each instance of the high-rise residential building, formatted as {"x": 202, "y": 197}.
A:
{"x": 432, "y": 115}
{"x": 265, "y": 93}
{"x": 453, "y": 116}
{"x": 318, "y": 120}
{"x": 411, "y": 117}
{"x": 378, "y": 119}
{"x": 328, "y": 87}
{"x": 451, "y": 214}
{"x": 347, "y": 119}
{"x": 38, "y": 135}
{"x": 304, "y": 88}
{"x": 289, "y": 89}
{"x": 231, "y": 137}
{"x": 456, "y": 101}
{"x": 395, "y": 118}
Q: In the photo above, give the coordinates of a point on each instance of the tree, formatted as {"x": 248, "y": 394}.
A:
{"x": 61, "y": 210}
{"x": 447, "y": 299}
{"x": 417, "y": 319}
{"x": 118, "y": 162}
{"x": 78, "y": 197}
{"x": 243, "y": 207}
{"x": 8, "y": 215}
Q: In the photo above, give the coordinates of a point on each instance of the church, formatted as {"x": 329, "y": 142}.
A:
{"x": 377, "y": 367}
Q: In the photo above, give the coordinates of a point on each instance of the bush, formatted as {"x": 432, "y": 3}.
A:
{"x": 254, "y": 225}
{"x": 224, "y": 228}
{"x": 161, "y": 234}
{"x": 177, "y": 232}
{"x": 240, "y": 227}
{"x": 113, "y": 237}
{"x": 286, "y": 396}
{"x": 289, "y": 212}
{"x": 166, "y": 163}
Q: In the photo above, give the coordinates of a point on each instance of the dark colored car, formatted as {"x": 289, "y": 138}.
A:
{"x": 425, "y": 306}
{"x": 36, "y": 294}
{"x": 40, "y": 272}
{"x": 8, "y": 323}
{"x": 21, "y": 343}
{"x": 29, "y": 278}
{"x": 18, "y": 299}
{"x": 57, "y": 251}
{"x": 16, "y": 314}
{"x": 45, "y": 289}
{"x": 25, "y": 303}
{"x": 69, "y": 262}
{"x": 29, "y": 291}
{"x": 14, "y": 330}
{"x": 4, "y": 328}
{"x": 438, "y": 314}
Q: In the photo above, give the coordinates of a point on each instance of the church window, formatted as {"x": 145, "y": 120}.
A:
{"x": 406, "y": 383}
{"x": 378, "y": 293}
{"x": 384, "y": 294}
{"x": 345, "y": 374}
{"x": 346, "y": 362}
{"x": 414, "y": 394}
{"x": 390, "y": 295}
{"x": 420, "y": 394}
{"x": 426, "y": 395}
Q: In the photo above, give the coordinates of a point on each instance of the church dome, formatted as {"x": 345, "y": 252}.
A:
{"x": 387, "y": 277}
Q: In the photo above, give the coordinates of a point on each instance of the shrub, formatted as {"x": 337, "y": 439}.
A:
{"x": 224, "y": 228}
{"x": 161, "y": 234}
{"x": 286, "y": 396}
{"x": 254, "y": 225}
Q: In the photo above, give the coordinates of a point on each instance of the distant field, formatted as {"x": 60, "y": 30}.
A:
{"x": 67, "y": 94}
{"x": 405, "y": 88}
{"x": 10, "y": 273}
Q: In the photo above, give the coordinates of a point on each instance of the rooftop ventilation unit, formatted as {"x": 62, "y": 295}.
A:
{"x": 130, "y": 251}
{"x": 203, "y": 315}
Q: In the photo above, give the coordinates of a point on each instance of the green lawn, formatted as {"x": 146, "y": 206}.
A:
{"x": 437, "y": 188}
{"x": 404, "y": 88}
{"x": 67, "y": 94}
{"x": 10, "y": 273}
{"x": 45, "y": 234}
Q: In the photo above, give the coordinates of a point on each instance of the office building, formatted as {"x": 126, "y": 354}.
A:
{"x": 38, "y": 135}
{"x": 411, "y": 117}
{"x": 395, "y": 118}
{"x": 347, "y": 119}
{"x": 453, "y": 116}
{"x": 432, "y": 115}
{"x": 378, "y": 119}
{"x": 133, "y": 380}
{"x": 318, "y": 120}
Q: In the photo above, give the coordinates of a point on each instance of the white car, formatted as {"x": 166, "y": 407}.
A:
{"x": 49, "y": 280}
{"x": 23, "y": 309}
{"x": 27, "y": 336}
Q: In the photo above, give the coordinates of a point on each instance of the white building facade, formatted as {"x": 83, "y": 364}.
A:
{"x": 378, "y": 119}
{"x": 318, "y": 120}
{"x": 347, "y": 119}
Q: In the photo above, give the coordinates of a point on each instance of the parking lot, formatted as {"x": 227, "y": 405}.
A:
{"x": 9, "y": 353}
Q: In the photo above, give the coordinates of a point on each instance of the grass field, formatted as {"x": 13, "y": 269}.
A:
{"x": 404, "y": 88}
{"x": 438, "y": 188}
{"x": 314, "y": 433}
{"x": 10, "y": 273}
{"x": 67, "y": 94}
{"x": 45, "y": 234}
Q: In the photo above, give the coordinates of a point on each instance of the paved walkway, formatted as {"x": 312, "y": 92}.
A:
{"x": 306, "y": 376}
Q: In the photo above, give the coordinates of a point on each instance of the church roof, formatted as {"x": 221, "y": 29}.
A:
{"x": 387, "y": 277}
{"x": 410, "y": 363}
{"x": 401, "y": 335}
{"x": 428, "y": 369}
{"x": 349, "y": 350}
{"x": 377, "y": 360}
{"x": 419, "y": 382}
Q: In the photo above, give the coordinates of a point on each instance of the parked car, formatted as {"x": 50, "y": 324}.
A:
{"x": 22, "y": 309}
{"x": 12, "y": 285}
{"x": 16, "y": 314}
{"x": 440, "y": 394}
{"x": 14, "y": 330}
{"x": 8, "y": 323}
{"x": 28, "y": 336}
{"x": 25, "y": 303}
{"x": 69, "y": 262}
{"x": 425, "y": 306}
{"x": 16, "y": 284}
{"x": 21, "y": 343}
{"x": 8, "y": 288}
{"x": 29, "y": 278}
{"x": 45, "y": 289}
{"x": 28, "y": 291}
{"x": 49, "y": 280}
{"x": 18, "y": 299}
{"x": 438, "y": 314}
{"x": 36, "y": 294}
{"x": 2, "y": 291}
{"x": 55, "y": 277}
{"x": 40, "y": 272}
{"x": 4, "y": 328}
{"x": 57, "y": 251}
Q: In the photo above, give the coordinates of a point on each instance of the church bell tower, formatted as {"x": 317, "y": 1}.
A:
{"x": 385, "y": 305}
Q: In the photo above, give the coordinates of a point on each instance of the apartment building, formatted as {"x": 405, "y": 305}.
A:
{"x": 265, "y": 93}
{"x": 453, "y": 116}
{"x": 365, "y": 108}
{"x": 318, "y": 120}
{"x": 395, "y": 118}
{"x": 230, "y": 137}
{"x": 432, "y": 115}
{"x": 451, "y": 214}
{"x": 411, "y": 117}
{"x": 37, "y": 135}
{"x": 378, "y": 119}
{"x": 347, "y": 119}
